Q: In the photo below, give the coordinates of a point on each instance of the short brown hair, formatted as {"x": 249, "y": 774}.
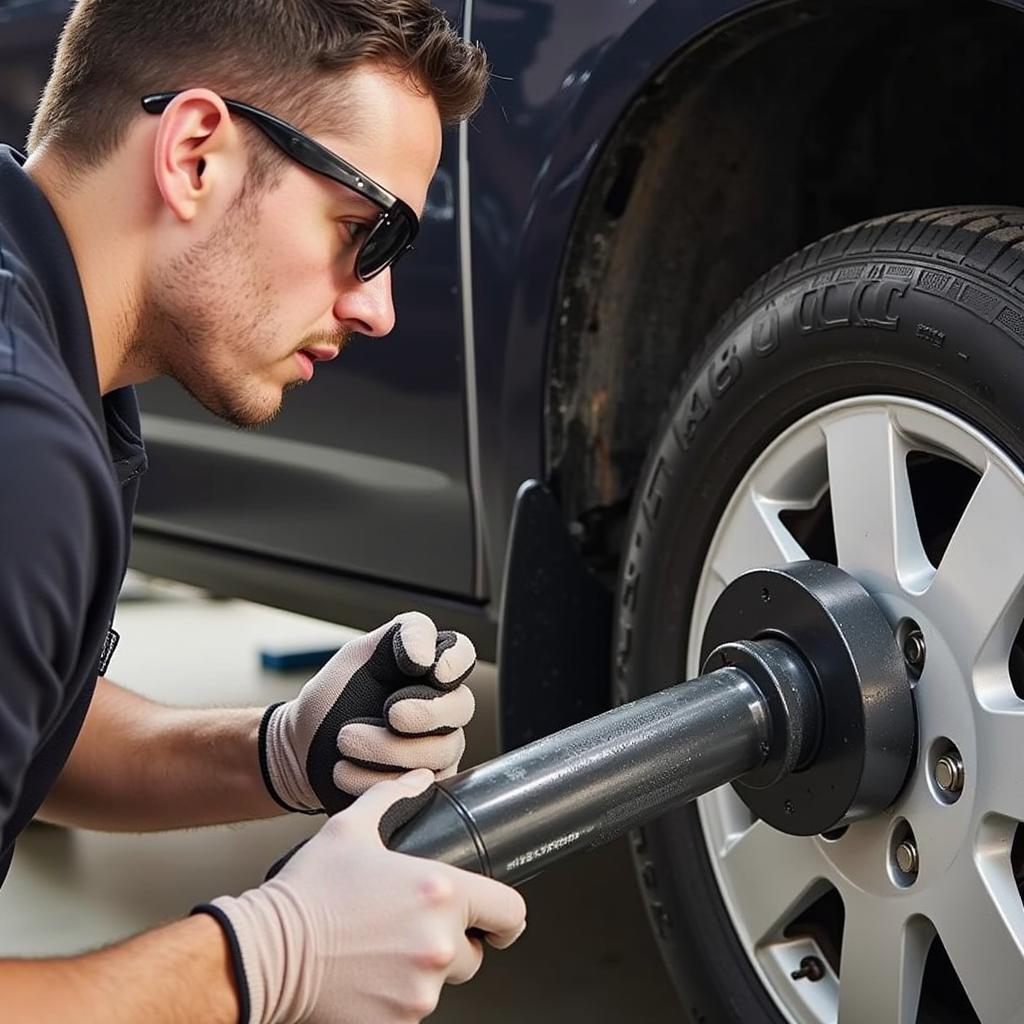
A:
{"x": 271, "y": 53}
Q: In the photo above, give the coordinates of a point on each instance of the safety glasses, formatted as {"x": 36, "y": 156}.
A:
{"x": 395, "y": 229}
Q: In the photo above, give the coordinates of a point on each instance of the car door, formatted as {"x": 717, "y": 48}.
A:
{"x": 28, "y": 31}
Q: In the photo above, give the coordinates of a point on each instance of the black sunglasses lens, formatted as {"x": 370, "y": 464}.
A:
{"x": 388, "y": 239}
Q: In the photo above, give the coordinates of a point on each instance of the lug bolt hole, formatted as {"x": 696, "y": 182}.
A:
{"x": 911, "y": 640}
{"x": 946, "y": 767}
{"x": 904, "y": 857}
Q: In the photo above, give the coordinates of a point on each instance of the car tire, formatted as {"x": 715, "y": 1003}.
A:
{"x": 926, "y": 307}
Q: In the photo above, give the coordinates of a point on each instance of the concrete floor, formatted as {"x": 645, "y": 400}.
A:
{"x": 586, "y": 956}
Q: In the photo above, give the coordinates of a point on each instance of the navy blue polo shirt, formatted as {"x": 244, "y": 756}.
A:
{"x": 70, "y": 462}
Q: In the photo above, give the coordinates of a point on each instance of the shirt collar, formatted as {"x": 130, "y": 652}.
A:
{"x": 32, "y": 223}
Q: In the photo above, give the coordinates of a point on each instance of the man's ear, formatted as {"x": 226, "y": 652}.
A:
{"x": 196, "y": 153}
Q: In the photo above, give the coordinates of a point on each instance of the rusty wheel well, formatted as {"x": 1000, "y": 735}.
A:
{"x": 777, "y": 128}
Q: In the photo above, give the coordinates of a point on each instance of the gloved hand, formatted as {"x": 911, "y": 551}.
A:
{"x": 387, "y": 702}
{"x": 350, "y": 932}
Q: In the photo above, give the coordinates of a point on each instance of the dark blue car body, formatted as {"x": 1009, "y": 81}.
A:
{"x": 636, "y": 164}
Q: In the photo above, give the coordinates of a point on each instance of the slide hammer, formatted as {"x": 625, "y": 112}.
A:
{"x": 805, "y": 706}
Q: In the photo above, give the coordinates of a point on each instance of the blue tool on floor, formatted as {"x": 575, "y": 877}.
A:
{"x": 283, "y": 659}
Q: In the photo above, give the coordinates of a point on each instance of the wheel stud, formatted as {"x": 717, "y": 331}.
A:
{"x": 914, "y": 649}
{"x": 949, "y": 773}
{"x": 811, "y": 968}
{"x": 906, "y": 857}
{"x": 911, "y": 640}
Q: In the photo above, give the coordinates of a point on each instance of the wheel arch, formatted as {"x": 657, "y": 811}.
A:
{"x": 757, "y": 139}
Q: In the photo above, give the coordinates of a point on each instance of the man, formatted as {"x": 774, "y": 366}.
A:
{"x": 169, "y": 220}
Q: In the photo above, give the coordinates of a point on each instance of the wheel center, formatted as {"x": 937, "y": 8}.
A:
{"x": 857, "y": 741}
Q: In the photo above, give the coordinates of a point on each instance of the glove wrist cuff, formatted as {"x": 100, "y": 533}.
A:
{"x": 273, "y": 952}
{"x": 237, "y": 964}
{"x": 263, "y": 745}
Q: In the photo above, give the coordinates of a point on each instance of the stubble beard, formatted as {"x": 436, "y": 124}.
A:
{"x": 209, "y": 324}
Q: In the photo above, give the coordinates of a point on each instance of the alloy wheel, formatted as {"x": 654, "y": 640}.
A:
{"x": 920, "y": 904}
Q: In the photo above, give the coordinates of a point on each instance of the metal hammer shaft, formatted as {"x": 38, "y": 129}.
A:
{"x": 588, "y": 784}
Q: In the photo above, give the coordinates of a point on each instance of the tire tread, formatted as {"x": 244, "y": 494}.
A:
{"x": 985, "y": 238}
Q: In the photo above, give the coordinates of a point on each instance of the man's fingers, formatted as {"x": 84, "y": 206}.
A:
{"x": 356, "y": 780}
{"x": 376, "y": 746}
{"x": 423, "y": 710}
{"x": 496, "y": 909}
{"x": 415, "y": 643}
{"x": 454, "y": 659}
{"x": 355, "y": 653}
{"x": 467, "y": 961}
{"x": 371, "y": 807}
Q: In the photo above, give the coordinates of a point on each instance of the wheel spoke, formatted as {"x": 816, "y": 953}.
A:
{"x": 982, "y": 926}
{"x": 978, "y": 589}
{"x": 877, "y": 537}
{"x": 757, "y": 539}
{"x": 882, "y": 964}
{"x": 1000, "y": 768}
{"x": 771, "y": 874}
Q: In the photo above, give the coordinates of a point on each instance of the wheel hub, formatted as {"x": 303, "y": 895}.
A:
{"x": 865, "y": 737}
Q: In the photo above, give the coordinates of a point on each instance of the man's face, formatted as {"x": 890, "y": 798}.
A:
{"x": 230, "y": 314}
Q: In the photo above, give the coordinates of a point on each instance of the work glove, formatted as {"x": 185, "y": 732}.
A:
{"x": 387, "y": 702}
{"x": 350, "y": 932}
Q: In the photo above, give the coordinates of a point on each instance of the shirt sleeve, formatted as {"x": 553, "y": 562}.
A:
{"x": 60, "y": 537}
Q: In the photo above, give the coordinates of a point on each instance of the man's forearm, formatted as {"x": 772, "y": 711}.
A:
{"x": 140, "y": 766}
{"x": 175, "y": 975}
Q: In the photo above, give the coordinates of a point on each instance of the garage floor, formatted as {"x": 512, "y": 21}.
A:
{"x": 586, "y": 955}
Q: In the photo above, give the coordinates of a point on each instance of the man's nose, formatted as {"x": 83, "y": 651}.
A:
{"x": 366, "y": 306}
